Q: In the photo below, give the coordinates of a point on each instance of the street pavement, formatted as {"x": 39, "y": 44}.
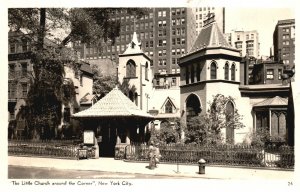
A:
{"x": 186, "y": 171}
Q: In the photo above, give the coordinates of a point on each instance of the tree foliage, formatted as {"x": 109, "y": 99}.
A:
{"x": 48, "y": 89}
{"x": 206, "y": 129}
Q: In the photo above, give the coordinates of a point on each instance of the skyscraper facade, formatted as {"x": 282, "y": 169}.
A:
{"x": 247, "y": 42}
{"x": 284, "y": 42}
{"x": 201, "y": 14}
{"x": 165, "y": 34}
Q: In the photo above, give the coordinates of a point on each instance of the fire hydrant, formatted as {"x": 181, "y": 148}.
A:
{"x": 201, "y": 164}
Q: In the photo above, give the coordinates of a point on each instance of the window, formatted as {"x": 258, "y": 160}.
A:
{"x": 213, "y": 70}
{"x": 146, "y": 25}
{"x": 147, "y": 44}
{"x": 146, "y": 70}
{"x": 159, "y": 23}
{"x": 230, "y": 127}
{"x": 12, "y": 47}
{"x": 178, "y": 52}
{"x": 130, "y": 69}
{"x": 24, "y": 45}
{"x": 178, "y": 31}
{"x": 187, "y": 75}
{"x": 151, "y": 25}
{"x": 24, "y": 89}
{"x": 24, "y": 69}
{"x": 182, "y": 21}
{"x": 279, "y": 74}
{"x": 182, "y": 51}
{"x": 173, "y": 61}
{"x": 173, "y": 22}
{"x": 173, "y": 52}
{"x": 159, "y": 14}
{"x": 164, "y": 23}
{"x": 164, "y": 13}
{"x": 226, "y": 71}
{"x": 168, "y": 107}
{"x": 160, "y": 43}
{"x": 173, "y": 32}
{"x": 164, "y": 52}
{"x": 173, "y": 12}
{"x": 233, "y": 72}
{"x": 173, "y": 41}
{"x": 182, "y": 41}
{"x": 12, "y": 67}
{"x": 151, "y": 34}
{"x": 178, "y": 41}
{"x": 150, "y": 15}
{"x": 159, "y": 53}
{"x": 174, "y": 81}
{"x": 192, "y": 74}
{"x": 270, "y": 73}
{"x": 198, "y": 72}
{"x": 151, "y": 44}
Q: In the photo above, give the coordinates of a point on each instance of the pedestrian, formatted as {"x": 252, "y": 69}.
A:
{"x": 151, "y": 154}
{"x": 157, "y": 155}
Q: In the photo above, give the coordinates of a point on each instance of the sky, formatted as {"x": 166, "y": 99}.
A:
{"x": 263, "y": 20}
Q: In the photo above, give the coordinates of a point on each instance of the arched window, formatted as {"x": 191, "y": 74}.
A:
{"x": 213, "y": 70}
{"x": 193, "y": 107}
{"x": 229, "y": 126}
{"x": 146, "y": 70}
{"x": 192, "y": 74}
{"x": 168, "y": 107}
{"x": 233, "y": 72}
{"x": 130, "y": 69}
{"x": 198, "y": 71}
{"x": 226, "y": 71}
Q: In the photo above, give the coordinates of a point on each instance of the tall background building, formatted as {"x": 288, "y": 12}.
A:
{"x": 245, "y": 41}
{"x": 201, "y": 13}
{"x": 284, "y": 42}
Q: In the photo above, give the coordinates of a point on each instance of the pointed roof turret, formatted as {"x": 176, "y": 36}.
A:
{"x": 210, "y": 36}
{"x": 134, "y": 46}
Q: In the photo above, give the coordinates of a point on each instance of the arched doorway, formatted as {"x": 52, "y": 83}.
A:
{"x": 193, "y": 106}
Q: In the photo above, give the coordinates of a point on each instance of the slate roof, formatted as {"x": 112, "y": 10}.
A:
{"x": 210, "y": 36}
{"x": 275, "y": 101}
{"x": 115, "y": 103}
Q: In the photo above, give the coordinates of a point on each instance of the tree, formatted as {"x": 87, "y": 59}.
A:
{"x": 47, "y": 90}
{"x": 206, "y": 129}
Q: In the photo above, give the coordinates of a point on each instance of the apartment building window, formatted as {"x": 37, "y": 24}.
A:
{"x": 151, "y": 53}
{"x": 286, "y": 30}
{"x": 151, "y": 25}
{"x": 137, "y": 26}
{"x": 196, "y": 17}
{"x": 182, "y": 51}
{"x": 159, "y": 23}
{"x": 159, "y": 53}
{"x": 183, "y": 41}
{"x": 164, "y": 23}
{"x": 252, "y": 36}
{"x": 164, "y": 62}
{"x": 200, "y": 9}
{"x": 159, "y": 14}
{"x": 178, "y": 41}
{"x": 279, "y": 74}
{"x": 150, "y": 15}
{"x": 182, "y": 10}
{"x": 151, "y": 44}
{"x": 173, "y": 52}
{"x": 146, "y": 25}
{"x": 247, "y": 37}
{"x": 200, "y": 16}
{"x": 270, "y": 73}
{"x": 122, "y": 38}
{"x": 160, "y": 43}
{"x": 173, "y": 60}
{"x": 164, "y": 42}
{"x": 238, "y": 37}
{"x": 113, "y": 49}
{"x": 164, "y": 13}
{"x": 173, "y": 31}
{"x": 142, "y": 35}
{"x": 164, "y": 52}
{"x": 173, "y": 22}
{"x": 285, "y": 42}
{"x": 286, "y": 36}
{"x": 178, "y": 31}
{"x": 151, "y": 34}
{"x": 238, "y": 45}
{"x": 197, "y": 25}
{"x": 178, "y": 51}
{"x": 182, "y": 21}
{"x": 183, "y": 31}
{"x": 160, "y": 33}
{"x": 122, "y": 47}
{"x": 178, "y": 21}
{"x": 24, "y": 89}
{"x": 178, "y": 11}
{"x": 174, "y": 80}
{"x": 173, "y": 41}
{"x": 173, "y": 12}
{"x": 146, "y": 35}
{"x": 160, "y": 62}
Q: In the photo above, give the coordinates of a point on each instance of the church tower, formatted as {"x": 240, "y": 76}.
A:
{"x": 134, "y": 68}
{"x": 211, "y": 67}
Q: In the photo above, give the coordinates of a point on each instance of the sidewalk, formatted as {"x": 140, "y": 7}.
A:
{"x": 119, "y": 166}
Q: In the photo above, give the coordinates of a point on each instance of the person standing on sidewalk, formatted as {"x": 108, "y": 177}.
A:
{"x": 157, "y": 155}
{"x": 151, "y": 156}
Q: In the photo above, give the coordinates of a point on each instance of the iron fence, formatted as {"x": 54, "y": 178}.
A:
{"x": 233, "y": 155}
{"x": 47, "y": 148}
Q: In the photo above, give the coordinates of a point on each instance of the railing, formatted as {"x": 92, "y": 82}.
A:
{"x": 52, "y": 148}
{"x": 235, "y": 155}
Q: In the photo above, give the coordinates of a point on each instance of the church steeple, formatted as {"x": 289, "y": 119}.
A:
{"x": 134, "y": 46}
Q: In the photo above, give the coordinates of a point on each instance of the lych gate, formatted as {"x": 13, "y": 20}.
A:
{"x": 116, "y": 122}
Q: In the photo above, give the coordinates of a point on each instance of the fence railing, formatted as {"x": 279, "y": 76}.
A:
{"x": 53, "y": 148}
{"x": 233, "y": 155}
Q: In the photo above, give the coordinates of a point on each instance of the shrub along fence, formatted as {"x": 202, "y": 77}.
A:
{"x": 66, "y": 149}
{"x": 233, "y": 155}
